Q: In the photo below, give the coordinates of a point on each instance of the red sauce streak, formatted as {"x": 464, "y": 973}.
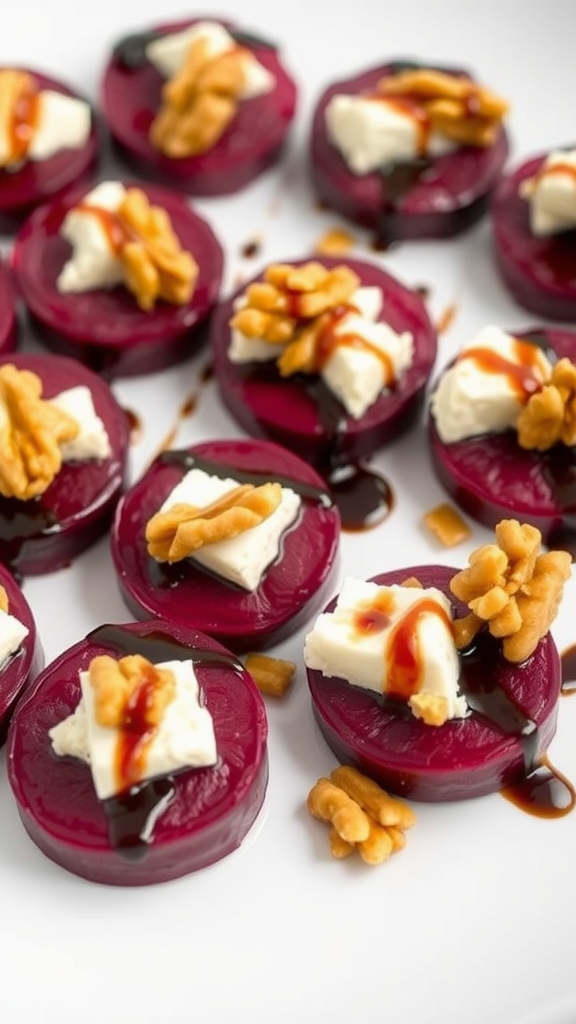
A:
{"x": 446, "y": 318}
{"x": 136, "y": 731}
{"x": 559, "y": 168}
{"x": 111, "y": 225}
{"x": 23, "y": 122}
{"x": 523, "y": 374}
{"x": 375, "y": 617}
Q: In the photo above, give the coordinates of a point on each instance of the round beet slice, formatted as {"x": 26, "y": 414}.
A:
{"x": 22, "y": 667}
{"x": 105, "y": 328}
{"x": 302, "y": 414}
{"x": 432, "y": 198}
{"x": 465, "y": 757}
{"x": 292, "y": 588}
{"x": 8, "y": 319}
{"x": 539, "y": 271}
{"x": 131, "y": 96}
{"x": 492, "y": 478}
{"x": 48, "y": 532}
{"x": 205, "y": 813}
{"x": 37, "y": 181}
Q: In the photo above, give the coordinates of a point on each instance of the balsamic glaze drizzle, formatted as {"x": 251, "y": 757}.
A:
{"x": 130, "y": 51}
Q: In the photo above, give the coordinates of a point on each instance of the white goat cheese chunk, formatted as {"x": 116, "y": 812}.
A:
{"x": 12, "y": 633}
{"x": 92, "y": 441}
{"x": 552, "y": 194}
{"x": 93, "y": 263}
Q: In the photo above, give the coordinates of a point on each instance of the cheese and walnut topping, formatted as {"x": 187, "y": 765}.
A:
{"x": 551, "y": 194}
{"x": 209, "y": 75}
{"x": 412, "y": 114}
{"x": 136, "y": 721}
{"x": 315, "y": 320}
{"x": 119, "y": 237}
{"x": 36, "y": 123}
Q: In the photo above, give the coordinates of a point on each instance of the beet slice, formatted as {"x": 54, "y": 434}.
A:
{"x": 253, "y": 141}
{"x": 48, "y": 532}
{"x": 37, "y": 181}
{"x": 211, "y": 809}
{"x": 21, "y": 668}
{"x": 433, "y": 198}
{"x": 466, "y": 757}
{"x": 491, "y": 477}
{"x": 105, "y": 328}
{"x": 294, "y": 412}
{"x": 539, "y": 272}
{"x": 8, "y": 319}
{"x": 293, "y": 587}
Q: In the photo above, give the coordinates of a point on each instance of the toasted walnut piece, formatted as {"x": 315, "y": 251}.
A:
{"x": 549, "y": 416}
{"x": 200, "y": 101}
{"x": 339, "y": 848}
{"x": 272, "y": 676}
{"x": 335, "y": 242}
{"x": 115, "y": 683}
{"x": 30, "y": 435}
{"x": 447, "y": 525}
{"x": 431, "y": 708}
{"x": 385, "y": 809}
{"x": 3, "y": 599}
{"x": 377, "y": 847}
{"x": 465, "y": 629}
{"x": 330, "y": 803}
{"x": 456, "y": 107}
{"x": 513, "y": 588}
{"x": 256, "y": 323}
{"x": 182, "y": 529}
{"x": 412, "y": 581}
{"x": 398, "y": 838}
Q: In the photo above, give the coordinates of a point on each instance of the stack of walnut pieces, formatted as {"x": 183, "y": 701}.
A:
{"x": 549, "y": 416}
{"x": 291, "y": 307}
{"x": 454, "y": 106}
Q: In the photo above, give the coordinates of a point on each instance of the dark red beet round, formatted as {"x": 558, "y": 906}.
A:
{"x": 212, "y": 809}
{"x": 22, "y": 667}
{"x": 293, "y": 587}
{"x": 105, "y": 328}
{"x": 464, "y": 758}
{"x": 8, "y": 319}
{"x": 37, "y": 181}
{"x": 252, "y": 142}
{"x": 285, "y": 410}
{"x": 492, "y": 478}
{"x": 440, "y": 200}
{"x": 48, "y": 532}
{"x": 540, "y": 272}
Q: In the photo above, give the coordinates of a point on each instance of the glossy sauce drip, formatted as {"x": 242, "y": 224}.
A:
{"x": 23, "y": 123}
{"x": 130, "y": 51}
{"x": 207, "y": 372}
{"x": 408, "y": 106}
{"x": 251, "y": 249}
{"x": 111, "y": 225}
{"x": 446, "y": 318}
{"x": 545, "y": 792}
{"x": 136, "y": 731}
{"x": 134, "y": 425}
{"x": 559, "y": 168}
{"x": 21, "y": 521}
{"x": 559, "y": 469}
{"x": 522, "y": 374}
{"x": 568, "y": 659}
{"x": 133, "y": 814}
{"x": 404, "y": 659}
{"x": 329, "y": 339}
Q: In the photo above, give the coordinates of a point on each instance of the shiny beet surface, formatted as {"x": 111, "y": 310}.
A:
{"x": 8, "y": 317}
{"x": 21, "y": 668}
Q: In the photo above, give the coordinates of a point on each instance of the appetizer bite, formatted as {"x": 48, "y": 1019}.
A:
{"x": 140, "y": 755}
{"x": 63, "y": 453}
{"x": 8, "y": 315}
{"x": 48, "y": 140}
{"x": 122, "y": 277}
{"x": 534, "y": 232}
{"x": 502, "y": 430}
{"x": 439, "y": 684}
{"x": 21, "y": 653}
{"x": 239, "y": 537}
{"x": 408, "y": 150}
{"x": 199, "y": 105}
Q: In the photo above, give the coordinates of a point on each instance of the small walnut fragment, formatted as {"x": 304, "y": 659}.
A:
{"x": 115, "y": 684}
{"x": 183, "y": 529}
{"x": 273, "y": 676}
{"x": 549, "y": 416}
{"x": 465, "y": 112}
{"x": 335, "y": 242}
{"x": 447, "y": 525}
{"x": 31, "y": 432}
{"x": 513, "y": 588}
{"x": 3, "y": 599}
{"x": 362, "y": 815}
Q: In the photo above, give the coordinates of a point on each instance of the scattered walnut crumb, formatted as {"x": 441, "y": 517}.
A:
{"x": 272, "y": 676}
{"x": 335, "y": 242}
{"x": 3, "y": 599}
{"x": 447, "y": 525}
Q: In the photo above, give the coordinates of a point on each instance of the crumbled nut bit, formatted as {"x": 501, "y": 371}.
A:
{"x": 363, "y": 816}
{"x": 115, "y": 683}
{"x": 155, "y": 265}
{"x": 447, "y": 525}
{"x": 336, "y": 242}
{"x": 30, "y": 435}
{"x": 200, "y": 101}
{"x": 17, "y": 89}
{"x": 513, "y": 588}
{"x": 431, "y": 708}
{"x": 458, "y": 108}
{"x": 272, "y": 676}
{"x": 412, "y": 581}
{"x": 549, "y": 417}
{"x": 3, "y": 599}
{"x": 182, "y": 529}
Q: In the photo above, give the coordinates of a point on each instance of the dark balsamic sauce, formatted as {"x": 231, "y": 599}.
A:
{"x": 568, "y": 660}
{"x": 545, "y": 792}
{"x": 251, "y": 249}
{"x": 130, "y": 51}
{"x": 251, "y": 40}
{"x": 21, "y": 521}
{"x": 133, "y": 814}
{"x": 206, "y": 373}
{"x": 134, "y": 425}
{"x": 559, "y": 468}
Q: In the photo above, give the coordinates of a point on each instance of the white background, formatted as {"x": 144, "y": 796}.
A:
{"x": 474, "y": 921}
